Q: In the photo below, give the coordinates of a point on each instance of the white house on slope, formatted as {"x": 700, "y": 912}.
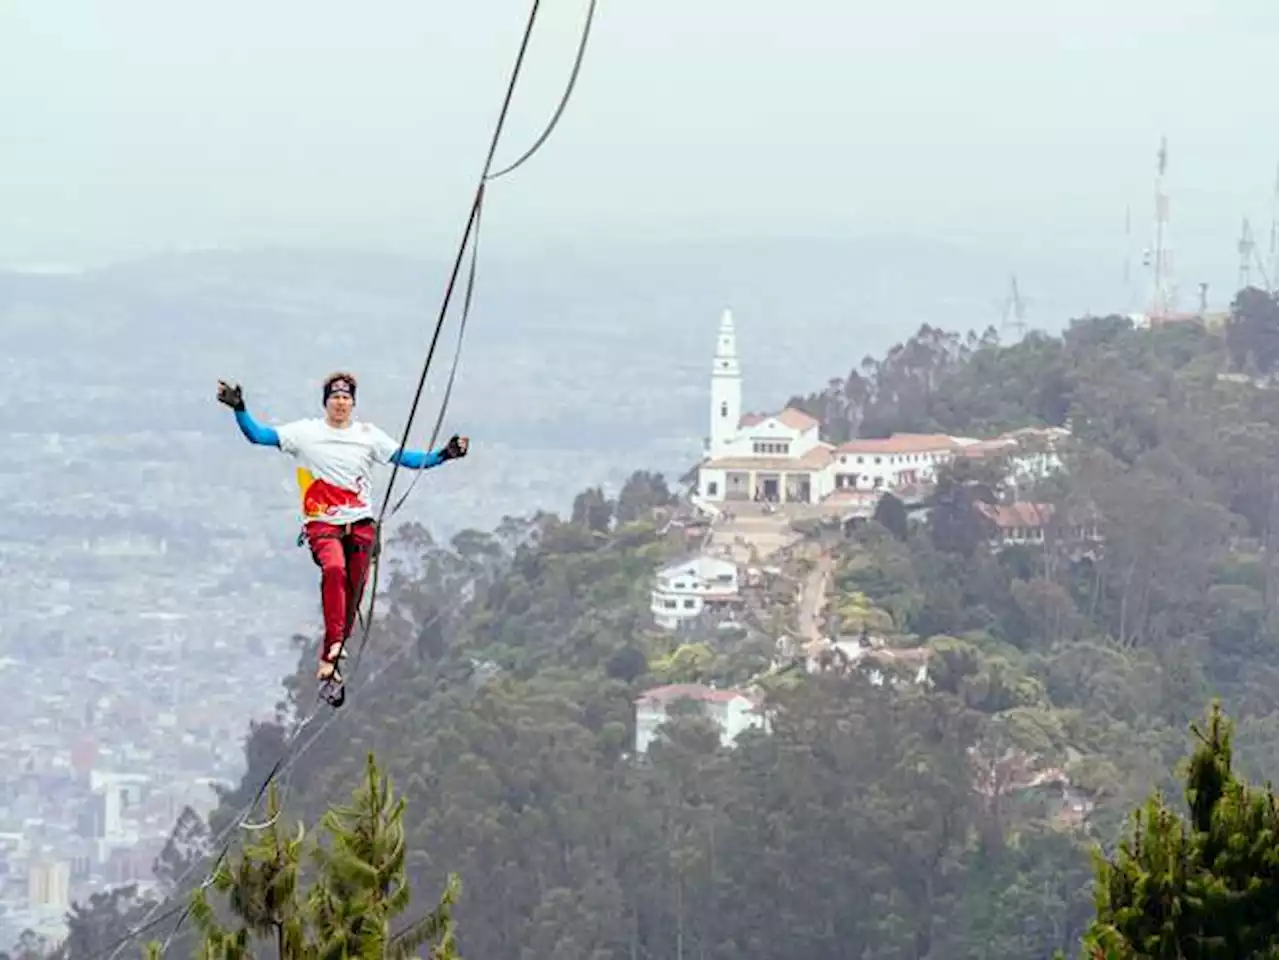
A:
{"x": 733, "y": 711}
{"x": 768, "y": 457}
{"x": 1032, "y": 452}
{"x": 682, "y": 591}
{"x": 903, "y": 459}
{"x": 908, "y": 459}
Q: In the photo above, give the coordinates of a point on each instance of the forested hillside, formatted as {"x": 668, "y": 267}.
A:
{"x": 506, "y": 668}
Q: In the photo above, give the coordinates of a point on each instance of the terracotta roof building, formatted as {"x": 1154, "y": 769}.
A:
{"x": 733, "y": 711}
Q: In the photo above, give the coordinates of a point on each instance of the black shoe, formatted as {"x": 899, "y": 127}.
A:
{"x": 333, "y": 691}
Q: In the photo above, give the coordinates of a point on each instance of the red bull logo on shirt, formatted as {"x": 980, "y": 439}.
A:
{"x": 323, "y": 499}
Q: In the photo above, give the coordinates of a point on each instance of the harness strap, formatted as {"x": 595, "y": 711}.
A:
{"x": 335, "y": 532}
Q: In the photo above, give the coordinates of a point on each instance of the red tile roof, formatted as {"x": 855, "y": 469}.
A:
{"x": 689, "y": 691}
{"x": 815, "y": 459}
{"x": 797, "y": 419}
{"x": 1020, "y": 514}
{"x": 903, "y": 443}
{"x": 790, "y": 417}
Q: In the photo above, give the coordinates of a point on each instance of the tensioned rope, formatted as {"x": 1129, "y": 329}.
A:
{"x": 470, "y": 236}
{"x": 240, "y": 820}
{"x": 289, "y": 757}
{"x": 485, "y": 179}
{"x": 150, "y": 919}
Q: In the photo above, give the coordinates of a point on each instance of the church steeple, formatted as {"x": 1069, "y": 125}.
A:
{"x": 726, "y": 364}
{"x": 726, "y": 388}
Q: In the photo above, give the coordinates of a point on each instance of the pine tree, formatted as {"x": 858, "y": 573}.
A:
{"x": 363, "y": 884}
{"x": 360, "y": 887}
{"x": 1200, "y": 889}
{"x": 261, "y": 887}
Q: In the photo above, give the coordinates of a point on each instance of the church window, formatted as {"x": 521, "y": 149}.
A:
{"x": 724, "y": 409}
{"x": 769, "y": 447}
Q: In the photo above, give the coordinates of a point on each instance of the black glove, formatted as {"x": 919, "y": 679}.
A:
{"x": 456, "y": 447}
{"x": 229, "y": 393}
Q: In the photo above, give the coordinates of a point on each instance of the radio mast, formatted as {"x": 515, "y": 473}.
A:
{"x": 1163, "y": 296}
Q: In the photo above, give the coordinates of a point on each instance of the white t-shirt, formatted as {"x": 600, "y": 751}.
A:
{"x": 335, "y": 472}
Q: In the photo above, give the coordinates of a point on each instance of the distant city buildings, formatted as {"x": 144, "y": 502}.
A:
{"x": 49, "y": 885}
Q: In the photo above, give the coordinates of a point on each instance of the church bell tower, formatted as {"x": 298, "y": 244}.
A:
{"x": 726, "y": 389}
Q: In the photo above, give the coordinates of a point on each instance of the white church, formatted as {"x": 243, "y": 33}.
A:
{"x": 775, "y": 458}
{"x": 778, "y": 458}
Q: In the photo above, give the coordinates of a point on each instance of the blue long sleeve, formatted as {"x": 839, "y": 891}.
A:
{"x": 256, "y": 432}
{"x": 266, "y": 436}
{"x": 418, "y": 459}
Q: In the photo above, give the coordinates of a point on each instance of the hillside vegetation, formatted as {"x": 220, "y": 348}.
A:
{"x": 507, "y": 665}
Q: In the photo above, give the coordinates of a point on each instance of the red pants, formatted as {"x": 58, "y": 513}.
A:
{"x": 343, "y": 554}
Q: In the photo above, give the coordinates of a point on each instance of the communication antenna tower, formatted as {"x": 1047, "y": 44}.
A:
{"x": 1245, "y": 247}
{"x": 1014, "y": 313}
{"x": 1251, "y": 259}
{"x": 1162, "y": 294}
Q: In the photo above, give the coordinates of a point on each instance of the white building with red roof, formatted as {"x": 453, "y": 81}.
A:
{"x": 733, "y": 711}
{"x": 1024, "y": 522}
{"x": 900, "y": 460}
{"x": 1032, "y": 453}
{"x": 779, "y": 457}
{"x": 773, "y": 457}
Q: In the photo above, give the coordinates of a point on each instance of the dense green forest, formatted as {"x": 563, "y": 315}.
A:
{"x": 874, "y": 820}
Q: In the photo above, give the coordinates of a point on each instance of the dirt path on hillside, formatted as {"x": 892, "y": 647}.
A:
{"x": 813, "y": 598}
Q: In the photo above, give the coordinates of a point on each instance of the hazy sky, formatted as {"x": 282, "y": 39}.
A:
{"x": 136, "y": 126}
